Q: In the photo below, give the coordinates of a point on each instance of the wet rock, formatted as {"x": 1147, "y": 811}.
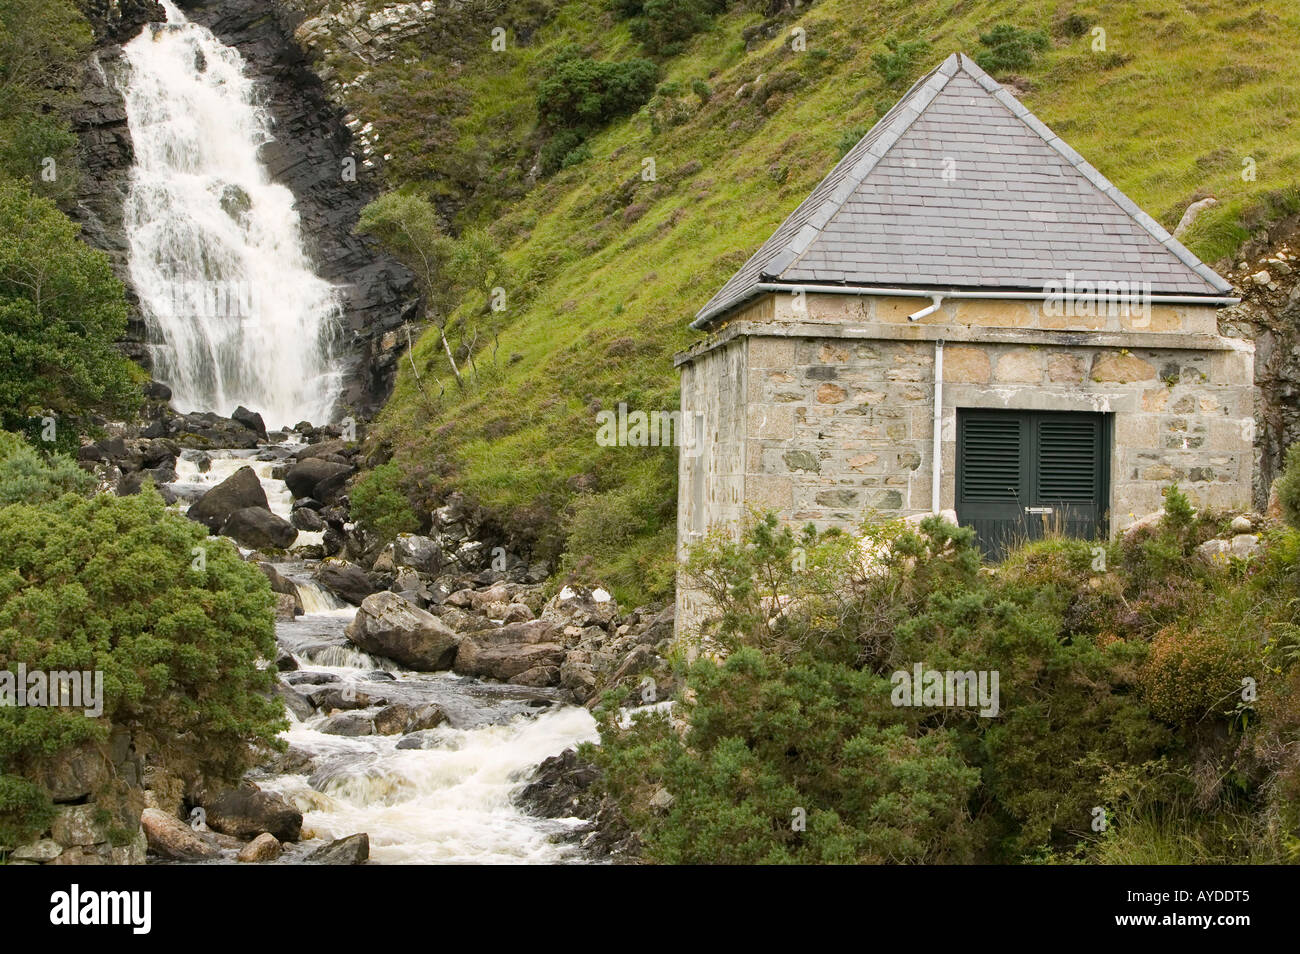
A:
{"x": 349, "y": 724}
{"x": 319, "y": 479}
{"x": 352, "y": 850}
{"x": 511, "y": 650}
{"x": 239, "y": 491}
{"x": 248, "y": 811}
{"x": 401, "y": 718}
{"x": 345, "y": 580}
{"x": 169, "y": 837}
{"x": 295, "y": 702}
{"x": 304, "y": 518}
{"x": 391, "y": 626}
{"x": 262, "y": 848}
{"x": 251, "y": 420}
{"x": 329, "y": 698}
{"x": 259, "y": 529}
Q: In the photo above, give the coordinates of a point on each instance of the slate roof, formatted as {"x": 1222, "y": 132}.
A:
{"x": 1018, "y": 209}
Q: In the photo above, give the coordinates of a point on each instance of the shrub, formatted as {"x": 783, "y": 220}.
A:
{"x": 581, "y": 93}
{"x": 112, "y": 585}
{"x": 26, "y": 478}
{"x": 1194, "y": 673}
{"x": 897, "y": 66}
{"x": 1288, "y": 487}
{"x": 1010, "y": 49}
{"x": 380, "y": 503}
{"x": 792, "y": 764}
{"x": 664, "y": 26}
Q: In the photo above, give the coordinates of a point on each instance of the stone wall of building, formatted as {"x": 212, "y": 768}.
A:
{"x": 837, "y": 419}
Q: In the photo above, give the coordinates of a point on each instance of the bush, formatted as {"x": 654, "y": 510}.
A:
{"x": 898, "y": 66}
{"x": 1288, "y": 487}
{"x": 582, "y": 93}
{"x": 380, "y": 503}
{"x": 27, "y": 478}
{"x": 578, "y": 95}
{"x": 1119, "y": 671}
{"x": 664, "y": 26}
{"x": 112, "y": 585}
{"x": 793, "y": 764}
{"x": 1193, "y": 673}
{"x": 1010, "y": 49}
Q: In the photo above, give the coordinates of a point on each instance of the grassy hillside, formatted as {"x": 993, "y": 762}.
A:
{"x": 606, "y": 269}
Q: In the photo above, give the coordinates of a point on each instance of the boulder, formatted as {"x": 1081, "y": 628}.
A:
{"x": 262, "y": 848}
{"x": 295, "y": 701}
{"x": 392, "y": 626}
{"x": 581, "y": 606}
{"x": 419, "y": 553}
{"x": 345, "y": 580}
{"x": 251, "y": 420}
{"x": 352, "y": 850}
{"x": 259, "y": 529}
{"x": 304, "y": 518}
{"x": 248, "y": 811}
{"x": 348, "y": 724}
{"x": 169, "y": 837}
{"x": 401, "y": 718}
{"x": 239, "y": 491}
{"x": 511, "y": 650}
{"x": 306, "y": 477}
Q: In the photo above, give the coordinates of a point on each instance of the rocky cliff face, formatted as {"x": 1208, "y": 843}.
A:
{"x": 1268, "y": 277}
{"x": 312, "y": 155}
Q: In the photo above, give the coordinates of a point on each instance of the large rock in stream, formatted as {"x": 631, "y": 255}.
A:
{"x": 240, "y": 490}
{"x": 259, "y": 529}
{"x": 528, "y": 653}
{"x": 345, "y": 580}
{"x": 392, "y": 626}
{"x": 319, "y": 479}
{"x": 247, "y": 811}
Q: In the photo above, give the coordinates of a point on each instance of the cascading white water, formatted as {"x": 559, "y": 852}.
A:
{"x": 236, "y": 314}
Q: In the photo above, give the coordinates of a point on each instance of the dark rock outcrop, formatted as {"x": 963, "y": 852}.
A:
{"x": 317, "y": 478}
{"x": 352, "y": 850}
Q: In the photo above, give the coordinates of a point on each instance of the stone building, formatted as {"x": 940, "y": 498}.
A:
{"x": 964, "y": 315}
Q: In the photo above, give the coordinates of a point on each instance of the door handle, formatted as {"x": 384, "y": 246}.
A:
{"x": 1038, "y": 510}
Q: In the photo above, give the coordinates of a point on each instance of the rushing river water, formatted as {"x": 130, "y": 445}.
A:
{"x": 439, "y": 795}
{"x": 235, "y": 313}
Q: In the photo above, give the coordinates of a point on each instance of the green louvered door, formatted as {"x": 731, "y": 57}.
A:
{"x": 1021, "y": 474}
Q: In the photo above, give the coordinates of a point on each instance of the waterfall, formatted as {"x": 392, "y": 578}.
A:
{"x": 235, "y": 313}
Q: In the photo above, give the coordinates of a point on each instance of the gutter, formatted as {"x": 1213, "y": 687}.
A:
{"x": 1217, "y": 300}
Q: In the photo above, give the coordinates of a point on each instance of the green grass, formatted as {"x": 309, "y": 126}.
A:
{"x": 610, "y": 269}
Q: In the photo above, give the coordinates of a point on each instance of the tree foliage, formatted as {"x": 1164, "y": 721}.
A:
{"x": 61, "y": 310}
{"x": 174, "y": 620}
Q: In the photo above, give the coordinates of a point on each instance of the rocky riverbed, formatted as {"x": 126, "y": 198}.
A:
{"x": 426, "y": 678}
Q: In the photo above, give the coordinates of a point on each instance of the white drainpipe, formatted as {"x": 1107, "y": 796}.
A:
{"x": 936, "y": 302}
{"x": 936, "y": 467}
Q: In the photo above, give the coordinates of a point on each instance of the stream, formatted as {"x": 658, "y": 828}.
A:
{"x": 441, "y": 795}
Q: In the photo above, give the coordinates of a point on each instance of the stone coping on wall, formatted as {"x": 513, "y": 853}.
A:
{"x": 1177, "y": 341}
